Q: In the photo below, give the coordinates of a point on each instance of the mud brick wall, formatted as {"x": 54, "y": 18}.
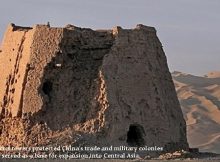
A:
{"x": 111, "y": 87}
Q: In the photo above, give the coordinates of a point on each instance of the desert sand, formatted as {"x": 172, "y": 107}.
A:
{"x": 199, "y": 97}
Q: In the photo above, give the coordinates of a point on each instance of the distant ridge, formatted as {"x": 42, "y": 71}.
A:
{"x": 213, "y": 74}
{"x": 199, "y": 97}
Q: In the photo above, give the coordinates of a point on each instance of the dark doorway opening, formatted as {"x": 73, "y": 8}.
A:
{"x": 135, "y": 135}
{"x": 47, "y": 87}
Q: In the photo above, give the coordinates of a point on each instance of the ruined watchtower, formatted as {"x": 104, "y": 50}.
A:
{"x": 110, "y": 87}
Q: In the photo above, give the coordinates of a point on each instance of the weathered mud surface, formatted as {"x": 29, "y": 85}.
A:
{"x": 79, "y": 86}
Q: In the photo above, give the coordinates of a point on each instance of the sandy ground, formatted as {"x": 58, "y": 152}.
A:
{"x": 200, "y": 101}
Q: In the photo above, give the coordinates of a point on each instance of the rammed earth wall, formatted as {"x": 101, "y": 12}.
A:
{"x": 110, "y": 87}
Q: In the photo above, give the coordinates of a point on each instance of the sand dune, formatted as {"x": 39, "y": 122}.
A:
{"x": 199, "y": 97}
{"x": 213, "y": 74}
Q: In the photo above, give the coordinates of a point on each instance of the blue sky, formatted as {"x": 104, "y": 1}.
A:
{"x": 188, "y": 29}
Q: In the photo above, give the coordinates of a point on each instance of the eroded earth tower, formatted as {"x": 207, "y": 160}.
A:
{"x": 76, "y": 85}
